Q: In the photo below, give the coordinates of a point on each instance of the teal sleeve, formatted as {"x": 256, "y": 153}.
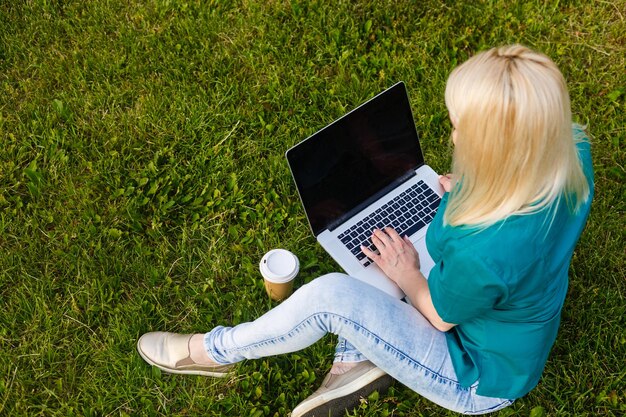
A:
{"x": 463, "y": 287}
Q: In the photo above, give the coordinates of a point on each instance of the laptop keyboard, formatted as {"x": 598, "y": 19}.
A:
{"x": 413, "y": 209}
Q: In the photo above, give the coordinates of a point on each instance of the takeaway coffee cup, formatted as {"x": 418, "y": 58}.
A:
{"x": 279, "y": 267}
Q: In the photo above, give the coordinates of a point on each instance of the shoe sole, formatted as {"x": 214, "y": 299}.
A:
{"x": 214, "y": 374}
{"x": 345, "y": 398}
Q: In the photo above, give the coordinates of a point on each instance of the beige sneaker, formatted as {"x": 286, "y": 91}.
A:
{"x": 170, "y": 353}
{"x": 339, "y": 393}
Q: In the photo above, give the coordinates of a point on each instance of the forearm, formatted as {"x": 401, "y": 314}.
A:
{"x": 416, "y": 289}
{"x": 400, "y": 261}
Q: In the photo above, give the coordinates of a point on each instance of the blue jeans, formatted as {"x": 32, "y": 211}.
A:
{"x": 370, "y": 324}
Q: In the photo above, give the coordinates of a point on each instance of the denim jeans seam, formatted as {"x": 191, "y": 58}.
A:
{"x": 394, "y": 349}
{"x": 271, "y": 340}
{"x": 361, "y": 328}
{"x": 503, "y": 404}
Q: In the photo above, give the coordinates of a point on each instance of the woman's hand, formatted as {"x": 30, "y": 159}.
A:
{"x": 398, "y": 258}
{"x": 447, "y": 182}
{"x": 401, "y": 262}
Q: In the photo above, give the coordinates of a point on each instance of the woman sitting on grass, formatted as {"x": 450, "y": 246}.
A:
{"x": 476, "y": 335}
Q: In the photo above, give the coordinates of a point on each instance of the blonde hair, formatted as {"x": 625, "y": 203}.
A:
{"x": 514, "y": 148}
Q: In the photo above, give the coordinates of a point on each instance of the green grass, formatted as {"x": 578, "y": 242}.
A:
{"x": 142, "y": 177}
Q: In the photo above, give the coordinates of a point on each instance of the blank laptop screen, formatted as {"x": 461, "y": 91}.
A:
{"x": 356, "y": 159}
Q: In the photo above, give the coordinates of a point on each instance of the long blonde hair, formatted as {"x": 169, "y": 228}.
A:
{"x": 514, "y": 149}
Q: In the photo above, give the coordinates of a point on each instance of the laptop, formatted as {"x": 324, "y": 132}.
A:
{"x": 366, "y": 170}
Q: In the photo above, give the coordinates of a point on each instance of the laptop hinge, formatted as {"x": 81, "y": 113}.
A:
{"x": 396, "y": 183}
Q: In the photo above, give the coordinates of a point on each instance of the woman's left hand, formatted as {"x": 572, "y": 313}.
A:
{"x": 398, "y": 258}
{"x": 447, "y": 182}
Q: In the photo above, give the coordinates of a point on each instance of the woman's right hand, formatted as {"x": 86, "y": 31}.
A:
{"x": 447, "y": 182}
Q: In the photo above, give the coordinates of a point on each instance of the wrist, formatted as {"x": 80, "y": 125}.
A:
{"x": 410, "y": 281}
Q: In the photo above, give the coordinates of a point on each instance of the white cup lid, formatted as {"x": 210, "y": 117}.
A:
{"x": 279, "y": 265}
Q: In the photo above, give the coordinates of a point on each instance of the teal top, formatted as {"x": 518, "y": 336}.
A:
{"x": 504, "y": 287}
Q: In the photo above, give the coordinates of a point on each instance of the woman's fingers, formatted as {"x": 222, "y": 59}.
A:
{"x": 378, "y": 242}
{"x": 393, "y": 239}
{"x": 370, "y": 253}
{"x": 446, "y": 182}
{"x": 393, "y": 235}
{"x": 382, "y": 242}
{"x": 395, "y": 254}
{"x": 388, "y": 242}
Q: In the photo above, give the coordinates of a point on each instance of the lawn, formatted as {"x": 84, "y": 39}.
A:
{"x": 142, "y": 177}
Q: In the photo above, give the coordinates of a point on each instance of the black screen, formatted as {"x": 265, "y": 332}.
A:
{"x": 350, "y": 162}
